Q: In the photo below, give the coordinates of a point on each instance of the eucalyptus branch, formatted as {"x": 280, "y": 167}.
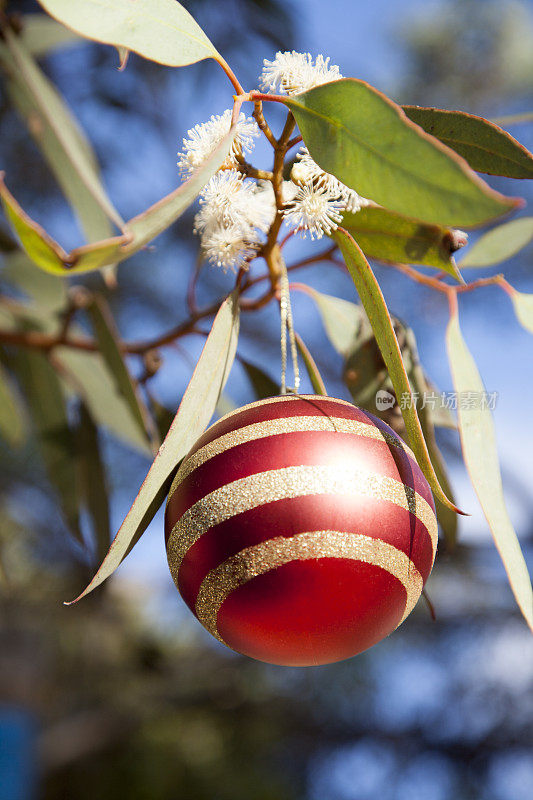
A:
{"x": 250, "y": 171}
{"x": 440, "y": 286}
{"x": 231, "y": 75}
{"x": 294, "y": 141}
{"x": 262, "y": 123}
{"x": 270, "y": 251}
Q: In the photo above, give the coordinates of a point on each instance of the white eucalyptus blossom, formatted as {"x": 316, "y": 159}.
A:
{"x": 265, "y": 210}
{"x": 314, "y": 210}
{"x": 228, "y": 247}
{"x": 203, "y": 139}
{"x": 227, "y": 199}
{"x": 307, "y": 171}
{"x": 234, "y": 211}
{"x": 292, "y": 72}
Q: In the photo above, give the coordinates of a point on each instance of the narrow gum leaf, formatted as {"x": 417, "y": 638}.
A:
{"x": 365, "y": 139}
{"x": 499, "y": 244}
{"x": 387, "y": 236}
{"x": 523, "y": 306}
{"x": 64, "y": 145}
{"x": 46, "y": 401}
{"x": 195, "y": 411}
{"x": 315, "y": 377}
{"x": 483, "y": 144}
{"x": 445, "y": 515}
{"x": 262, "y": 384}
{"x": 341, "y": 319}
{"x": 159, "y": 30}
{"x": 12, "y": 427}
{"x": 108, "y": 340}
{"x": 50, "y": 256}
{"x": 378, "y": 314}
{"x": 87, "y": 375}
{"x": 93, "y": 481}
{"x": 42, "y": 35}
{"x": 480, "y": 453}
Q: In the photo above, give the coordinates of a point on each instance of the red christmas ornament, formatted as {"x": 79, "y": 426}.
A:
{"x": 300, "y": 530}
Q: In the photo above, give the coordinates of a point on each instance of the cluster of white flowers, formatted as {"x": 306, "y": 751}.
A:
{"x": 292, "y": 73}
{"x": 321, "y": 199}
{"x": 204, "y": 138}
{"x": 236, "y": 212}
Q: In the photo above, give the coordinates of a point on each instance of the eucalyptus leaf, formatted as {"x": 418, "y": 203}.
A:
{"x": 93, "y": 482}
{"x": 341, "y": 319}
{"x": 500, "y": 243}
{"x": 108, "y": 340}
{"x": 388, "y": 236}
{"x": 379, "y": 317}
{"x": 480, "y": 453}
{"x": 523, "y": 306}
{"x": 445, "y": 515}
{"x": 64, "y": 145}
{"x": 46, "y": 402}
{"x": 51, "y": 257}
{"x": 262, "y": 384}
{"x": 162, "y": 415}
{"x": 48, "y": 293}
{"x": 315, "y": 377}
{"x": 41, "y": 35}
{"x": 160, "y": 30}
{"x": 486, "y": 146}
{"x": 365, "y": 140}
{"x": 12, "y": 421}
{"x": 194, "y": 413}
{"x": 87, "y": 376}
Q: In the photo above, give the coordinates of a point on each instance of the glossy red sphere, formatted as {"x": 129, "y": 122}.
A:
{"x": 300, "y": 530}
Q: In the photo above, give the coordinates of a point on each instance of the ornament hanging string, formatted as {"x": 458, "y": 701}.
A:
{"x": 287, "y": 327}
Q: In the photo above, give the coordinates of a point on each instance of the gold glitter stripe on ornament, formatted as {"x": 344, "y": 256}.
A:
{"x": 283, "y": 399}
{"x": 280, "y": 484}
{"x": 280, "y": 427}
{"x": 261, "y": 558}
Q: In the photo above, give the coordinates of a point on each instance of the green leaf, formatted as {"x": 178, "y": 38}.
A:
{"x": 486, "y": 146}
{"x": 12, "y": 422}
{"x": 478, "y": 442}
{"x": 163, "y": 416}
{"x": 357, "y": 134}
{"x": 47, "y": 253}
{"x": 365, "y": 374}
{"x": 93, "y": 482}
{"x": 160, "y": 30}
{"x": 378, "y": 314}
{"x": 341, "y": 319}
{"x": 262, "y": 384}
{"x": 445, "y": 515}
{"x": 46, "y": 402}
{"x": 60, "y": 138}
{"x": 391, "y": 237}
{"x": 108, "y": 340}
{"x": 500, "y": 243}
{"x": 87, "y": 376}
{"x": 51, "y": 257}
{"x": 523, "y": 306}
{"x": 194, "y": 413}
{"x": 48, "y": 293}
{"x": 41, "y": 35}
{"x": 315, "y": 377}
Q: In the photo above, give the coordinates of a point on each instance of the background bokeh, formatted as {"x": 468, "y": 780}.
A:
{"x": 125, "y": 695}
